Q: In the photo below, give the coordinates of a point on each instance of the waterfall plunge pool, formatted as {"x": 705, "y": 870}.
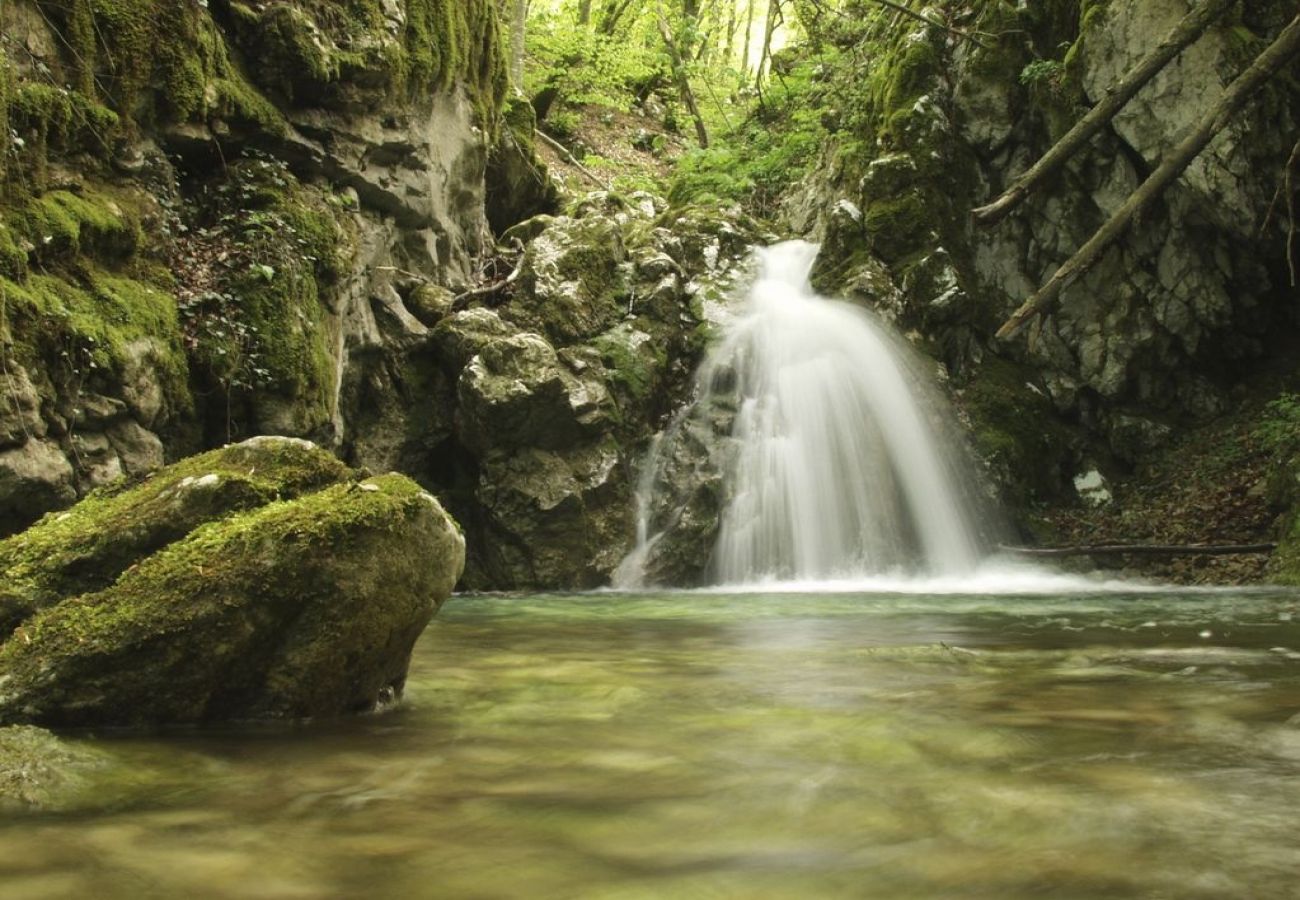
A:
{"x": 751, "y": 746}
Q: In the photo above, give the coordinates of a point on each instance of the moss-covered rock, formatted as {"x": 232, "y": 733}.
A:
{"x": 571, "y": 284}
{"x": 303, "y": 607}
{"x": 86, "y": 548}
{"x": 39, "y": 771}
{"x": 519, "y": 185}
{"x": 1029, "y": 454}
{"x": 329, "y": 54}
{"x": 516, "y": 392}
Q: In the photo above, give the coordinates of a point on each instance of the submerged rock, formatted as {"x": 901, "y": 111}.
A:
{"x": 254, "y": 606}
{"x": 39, "y": 771}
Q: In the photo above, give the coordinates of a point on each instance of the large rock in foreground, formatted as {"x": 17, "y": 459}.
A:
{"x": 297, "y": 608}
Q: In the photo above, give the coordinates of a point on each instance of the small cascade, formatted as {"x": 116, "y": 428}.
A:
{"x": 815, "y": 450}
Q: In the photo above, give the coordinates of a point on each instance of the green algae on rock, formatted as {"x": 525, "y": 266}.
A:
{"x": 300, "y": 607}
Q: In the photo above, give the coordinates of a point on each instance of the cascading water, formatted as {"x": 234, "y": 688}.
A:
{"x": 815, "y": 445}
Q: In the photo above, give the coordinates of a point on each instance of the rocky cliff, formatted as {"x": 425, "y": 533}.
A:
{"x": 234, "y": 218}
{"x": 927, "y": 122}
{"x": 213, "y": 215}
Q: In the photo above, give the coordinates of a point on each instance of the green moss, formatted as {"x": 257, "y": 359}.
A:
{"x": 13, "y": 256}
{"x": 898, "y": 224}
{"x": 314, "y": 52}
{"x": 6, "y": 100}
{"x": 52, "y": 119}
{"x": 1017, "y": 432}
{"x": 299, "y": 608}
{"x": 456, "y": 40}
{"x": 72, "y": 331}
{"x": 87, "y": 547}
{"x": 266, "y": 329}
{"x": 92, "y": 222}
{"x": 633, "y": 365}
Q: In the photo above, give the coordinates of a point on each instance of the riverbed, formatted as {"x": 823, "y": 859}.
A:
{"x": 772, "y": 745}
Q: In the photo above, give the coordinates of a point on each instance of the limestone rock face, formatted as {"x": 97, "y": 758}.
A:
{"x": 560, "y": 388}
{"x": 201, "y": 595}
{"x": 243, "y": 244}
{"x": 1161, "y": 328}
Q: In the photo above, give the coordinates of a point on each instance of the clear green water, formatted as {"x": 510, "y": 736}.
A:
{"x": 741, "y": 746}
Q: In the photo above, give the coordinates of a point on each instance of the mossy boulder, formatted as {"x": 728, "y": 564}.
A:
{"x": 272, "y": 608}
{"x": 572, "y": 285}
{"x": 86, "y": 548}
{"x": 516, "y": 392}
{"x": 1027, "y": 451}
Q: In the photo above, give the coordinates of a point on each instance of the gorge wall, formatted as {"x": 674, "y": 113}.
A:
{"x": 223, "y": 219}
{"x": 925, "y": 125}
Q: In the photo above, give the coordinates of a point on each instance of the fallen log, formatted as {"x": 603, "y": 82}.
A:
{"x": 571, "y": 159}
{"x": 1184, "y": 33}
{"x": 1141, "y": 550}
{"x": 1277, "y": 55}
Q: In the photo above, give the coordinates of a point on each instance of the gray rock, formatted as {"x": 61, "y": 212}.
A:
{"x": 34, "y": 478}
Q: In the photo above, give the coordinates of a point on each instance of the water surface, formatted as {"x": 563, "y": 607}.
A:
{"x": 750, "y": 746}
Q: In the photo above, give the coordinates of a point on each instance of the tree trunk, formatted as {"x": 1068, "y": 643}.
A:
{"x": 518, "y": 22}
{"x": 1183, "y": 34}
{"x": 749, "y": 36}
{"x": 773, "y": 12}
{"x": 614, "y": 10}
{"x": 584, "y": 13}
{"x": 682, "y": 78}
{"x": 729, "y": 44}
{"x": 1234, "y": 98}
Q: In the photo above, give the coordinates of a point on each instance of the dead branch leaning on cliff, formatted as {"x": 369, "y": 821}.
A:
{"x": 1183, "y": 34}
{"x": 1234, "y": 98}
{"x": 570, "y": 159}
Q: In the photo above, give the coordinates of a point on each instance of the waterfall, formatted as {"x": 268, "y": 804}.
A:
{"x": 814, "y": 450}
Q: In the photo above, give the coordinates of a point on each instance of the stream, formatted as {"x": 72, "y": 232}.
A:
{"x": 721, "y": 745}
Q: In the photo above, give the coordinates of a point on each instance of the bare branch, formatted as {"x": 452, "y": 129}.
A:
{"x": 1183, "y": 34}
{"x": 1234, "y": 98}
{"x": 569, "y": 158}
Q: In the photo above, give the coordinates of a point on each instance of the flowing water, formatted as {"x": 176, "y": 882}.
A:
{"x": 831, "y": 449}
{"x": 748, "y": 746}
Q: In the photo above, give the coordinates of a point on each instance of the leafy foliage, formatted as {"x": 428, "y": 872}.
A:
{"x": 589, "y": 68}
{"x": 1278, "y": 429}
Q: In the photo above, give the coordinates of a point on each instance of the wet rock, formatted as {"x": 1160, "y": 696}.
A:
{"x": 85, "y": 549}
{"x": 302, "y": 608}
{"x": 572, "y": 284}
{"x": 41, "y": 772}
{"x": 516, "y": 393}
{"x": 560, "y": 518}
{"x": 34, "y": 477}
{"x": 519, "y": 185}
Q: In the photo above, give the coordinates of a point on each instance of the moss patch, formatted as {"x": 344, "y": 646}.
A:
{"x": 1017, "y": 434}
{"x": 86, "y": 548}
{"x": 261, "y": 324}
{"x": 300, "y": 608}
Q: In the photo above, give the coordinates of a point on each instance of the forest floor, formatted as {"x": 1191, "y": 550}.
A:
{"x": 1210, "y": 486}
{"x": 1214, "y": 484}
{"x": 623, "y": 150}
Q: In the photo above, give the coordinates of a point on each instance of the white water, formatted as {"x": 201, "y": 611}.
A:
{"x": 835, "y": 468}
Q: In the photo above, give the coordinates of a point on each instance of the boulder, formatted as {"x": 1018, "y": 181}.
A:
{"x": 85, "y": 549}
{"x": 254, "y": 607}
